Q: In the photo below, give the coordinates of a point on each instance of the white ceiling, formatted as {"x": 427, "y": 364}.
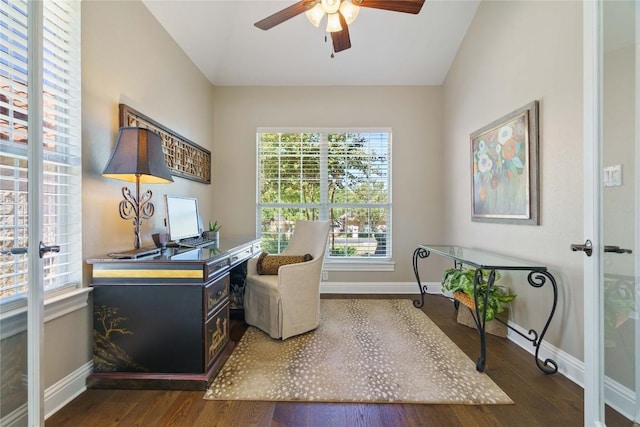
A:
{"x": 387, "y": 48}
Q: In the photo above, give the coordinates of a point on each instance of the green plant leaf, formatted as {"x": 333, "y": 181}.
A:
{"x": 461, "y": 280}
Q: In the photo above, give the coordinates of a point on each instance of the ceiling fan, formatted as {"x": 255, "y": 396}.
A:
{"x": 340, "y": 13}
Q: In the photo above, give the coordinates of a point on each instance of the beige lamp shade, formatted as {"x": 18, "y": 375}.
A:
{"x": 138, "y": 154}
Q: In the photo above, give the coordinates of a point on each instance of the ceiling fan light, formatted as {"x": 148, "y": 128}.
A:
{"x": 315, "y": 14}
{"x": 349, "y": 11}
{"x": 333, "y": 23}
{"x": 330, "y": 6}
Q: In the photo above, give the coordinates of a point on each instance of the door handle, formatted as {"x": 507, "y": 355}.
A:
{"x": 617, "y": 250}
{"x": 14, "y": 251}
{"x": 587, "y": 247}
{"x": 44, "y": 248}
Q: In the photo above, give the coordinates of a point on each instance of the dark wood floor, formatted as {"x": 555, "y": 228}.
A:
{"x": 540, "y": 400}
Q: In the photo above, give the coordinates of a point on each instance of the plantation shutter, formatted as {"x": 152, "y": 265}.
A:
{"x": 61, "y": 141}
{"x": 289, "y": 168}
{"x": 359, "y": 193}
{"x": 343, "y": 176}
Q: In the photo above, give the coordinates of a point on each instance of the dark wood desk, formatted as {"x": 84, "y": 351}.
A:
{"x": 162, "y": 322}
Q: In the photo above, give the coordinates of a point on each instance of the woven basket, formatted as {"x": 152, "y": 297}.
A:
{"x": 464, "y": 299}
{"x": 492, "y": 327}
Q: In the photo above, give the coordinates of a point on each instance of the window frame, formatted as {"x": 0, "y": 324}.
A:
{"x": 336, "y": 263}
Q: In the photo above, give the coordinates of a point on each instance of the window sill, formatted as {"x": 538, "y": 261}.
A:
{"x": 14, "y": 321}
{"x": 353, "y": 265}
{"x": 65, "y": 303}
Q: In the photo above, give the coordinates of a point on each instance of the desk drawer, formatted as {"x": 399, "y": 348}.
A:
{"x": 216, "y": 332}
{"x": 214, "y": 268}
{"x": 215, "y": 294}
{"x": 241, "y": 255}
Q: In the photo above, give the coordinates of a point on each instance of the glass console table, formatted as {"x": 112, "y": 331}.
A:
{"x": 486, "y": 265}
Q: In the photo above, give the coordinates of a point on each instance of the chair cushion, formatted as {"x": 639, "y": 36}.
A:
{"x": 269, "y": 264}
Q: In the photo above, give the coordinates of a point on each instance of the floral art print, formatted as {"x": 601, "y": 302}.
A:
{"x": 501, "y": 171}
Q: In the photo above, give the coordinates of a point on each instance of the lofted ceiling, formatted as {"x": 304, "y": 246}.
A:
{"x": 388, "y": 48}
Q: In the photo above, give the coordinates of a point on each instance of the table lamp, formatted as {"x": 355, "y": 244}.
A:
{"x": 137, "y": 157}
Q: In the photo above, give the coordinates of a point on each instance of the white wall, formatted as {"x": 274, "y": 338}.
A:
{"x": 514, "y": 53}
{"x": 415, "y": 116}
{"x": 127, "y": 57}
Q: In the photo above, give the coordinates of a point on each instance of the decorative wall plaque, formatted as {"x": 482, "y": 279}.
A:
{"x": 184, "y": 158}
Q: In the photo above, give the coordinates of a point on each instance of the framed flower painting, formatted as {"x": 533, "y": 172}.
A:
{"x": 504, "y": 169}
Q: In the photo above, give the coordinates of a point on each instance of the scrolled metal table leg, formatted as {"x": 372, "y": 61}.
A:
{"x": 481, "y": 315}
{"x": 417, "y": 254}
{"x": 537, "y": 279}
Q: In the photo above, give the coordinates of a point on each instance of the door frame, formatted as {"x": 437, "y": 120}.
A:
{"x": 35, "y": 293}
{"x": 592, "y": 226}
{"x": 637, "y": 210}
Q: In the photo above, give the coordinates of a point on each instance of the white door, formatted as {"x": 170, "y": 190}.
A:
{"x": 23, "y": 100}
{"x": 21, "y": 324}
{"x": 612, "y": 212}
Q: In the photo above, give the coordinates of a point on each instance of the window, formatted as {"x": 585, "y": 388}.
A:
{"x": 61, "y": 144}
{"x": 342, "y": 176}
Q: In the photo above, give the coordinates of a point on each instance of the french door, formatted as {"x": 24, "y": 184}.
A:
{"x": 612, "y": 209}
{"x": 40, "y": 178}
{"x": 26, "y": 404}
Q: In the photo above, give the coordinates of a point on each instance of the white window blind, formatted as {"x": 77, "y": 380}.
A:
{"x": 61, "y": 141}
{"x": 340, "y": 175}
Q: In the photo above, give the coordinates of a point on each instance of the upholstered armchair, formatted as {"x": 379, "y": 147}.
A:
{"x": 288, "y": 303}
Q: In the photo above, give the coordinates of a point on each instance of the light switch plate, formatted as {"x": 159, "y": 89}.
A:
{"x": 613, "y": 176}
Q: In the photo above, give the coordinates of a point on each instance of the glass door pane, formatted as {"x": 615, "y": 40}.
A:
{"x": 620, "y": 223}
{"x": 14, "y": 277}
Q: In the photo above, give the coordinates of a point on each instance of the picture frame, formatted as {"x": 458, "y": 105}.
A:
{"x": 504, "y": 169}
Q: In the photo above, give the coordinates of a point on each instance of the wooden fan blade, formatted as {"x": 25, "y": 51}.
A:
{"x": 406, "y": 6}
{"x": 285, "y": 14}
{"x": 341, "y": 39}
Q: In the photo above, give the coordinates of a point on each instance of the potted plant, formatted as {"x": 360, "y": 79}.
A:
{"x": 214, "y": 231}
{"x": 460, "y": 280}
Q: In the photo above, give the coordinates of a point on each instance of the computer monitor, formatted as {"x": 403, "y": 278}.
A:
{"x": 182, "y": 217}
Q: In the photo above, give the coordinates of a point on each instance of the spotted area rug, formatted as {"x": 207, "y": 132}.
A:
{"x": 364, "y": 350}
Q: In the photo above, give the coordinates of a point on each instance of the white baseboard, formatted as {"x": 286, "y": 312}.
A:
{"x": 619, "y": 397}
{"x": 376, "y": 288}
{"x": 616, "y": 395}
{"x": 568, "y": 365}
{"x": 67, "y": 389}
{"x": 55, "y": 397}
